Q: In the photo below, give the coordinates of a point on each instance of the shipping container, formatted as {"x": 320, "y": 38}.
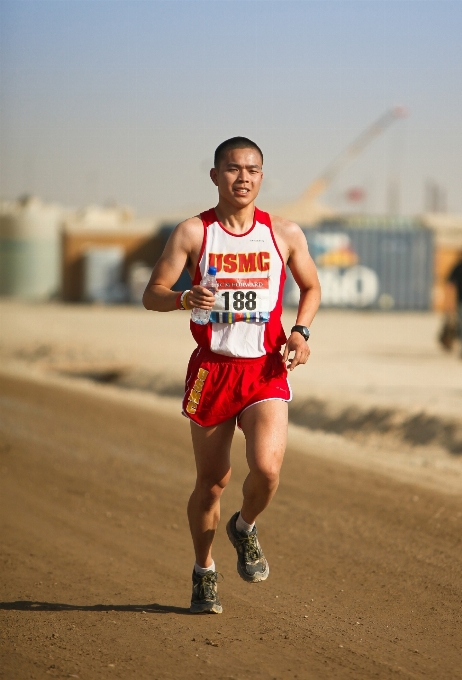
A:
{"x": 103, "y": 275}
{"x": 138, "y": 278}
{"x": 138, "y": 248}
{"x": 371, "y": 264}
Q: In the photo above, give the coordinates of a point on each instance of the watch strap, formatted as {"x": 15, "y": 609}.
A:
{"x": 303, "y": 330}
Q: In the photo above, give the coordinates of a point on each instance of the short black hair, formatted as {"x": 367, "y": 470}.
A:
{"x": 234, "y": 143}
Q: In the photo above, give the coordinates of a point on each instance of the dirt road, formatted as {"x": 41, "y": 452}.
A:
{"x": 365, "y": 581}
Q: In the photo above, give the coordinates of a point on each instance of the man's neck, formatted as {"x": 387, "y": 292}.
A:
{"x": 237, "y": 220}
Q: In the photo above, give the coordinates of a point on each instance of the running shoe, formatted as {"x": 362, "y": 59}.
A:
{"x": 204, "y": 598}
{"x": 251, "y": 562}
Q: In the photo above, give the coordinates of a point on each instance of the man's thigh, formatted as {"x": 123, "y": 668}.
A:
{"x": 212, "y": 449}
{"x": 265, "y": 428}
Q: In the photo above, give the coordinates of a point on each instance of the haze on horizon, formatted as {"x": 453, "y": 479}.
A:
{"x": 126, "y": 100}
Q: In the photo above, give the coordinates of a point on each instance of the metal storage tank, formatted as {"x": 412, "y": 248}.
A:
{"x": 29, "y": 248}
{"x": 374, "y": 263}
{"x": 103, "y": 275}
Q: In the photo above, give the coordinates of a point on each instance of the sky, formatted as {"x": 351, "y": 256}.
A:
{"x": 125, "y": 100}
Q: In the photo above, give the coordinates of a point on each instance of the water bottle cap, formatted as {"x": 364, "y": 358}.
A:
{"x": 212, "y": 271}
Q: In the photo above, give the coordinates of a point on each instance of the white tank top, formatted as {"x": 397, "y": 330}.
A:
{"x": 246, "y": 318}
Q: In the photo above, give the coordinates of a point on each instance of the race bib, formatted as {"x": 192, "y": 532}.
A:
{"x": 242, "y": 299}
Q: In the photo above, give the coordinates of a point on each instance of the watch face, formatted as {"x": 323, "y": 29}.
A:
{"x": 303, "y": 330}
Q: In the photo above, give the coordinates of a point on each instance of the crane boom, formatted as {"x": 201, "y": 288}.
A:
{"x": 352, "y": 151}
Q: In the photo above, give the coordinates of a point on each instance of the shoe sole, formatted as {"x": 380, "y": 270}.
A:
{"x": 211, "y": 608}
{"x": 257, "y": 577}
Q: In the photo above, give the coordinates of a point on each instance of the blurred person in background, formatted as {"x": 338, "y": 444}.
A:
{"x": 452, "y": 327}
{"x": 455, "y": 282}
{"x": 236, "y": 375}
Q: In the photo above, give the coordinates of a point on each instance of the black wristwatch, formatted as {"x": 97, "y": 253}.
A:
{"x": 303, "y": 330}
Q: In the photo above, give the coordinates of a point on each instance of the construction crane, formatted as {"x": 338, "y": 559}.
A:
{"x": 320, "y": 184}
{"x": 307, "y": 200}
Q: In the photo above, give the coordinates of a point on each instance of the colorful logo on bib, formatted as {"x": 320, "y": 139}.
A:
{"x": 230, "y": 263}
{"x": 195, "y": 394}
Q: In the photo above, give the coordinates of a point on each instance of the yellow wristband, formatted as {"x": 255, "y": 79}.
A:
{"x": 184, "y": 300}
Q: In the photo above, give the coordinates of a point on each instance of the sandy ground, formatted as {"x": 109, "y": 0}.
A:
{"x": 363, "y": 537}
{"x": 365, "y": 570}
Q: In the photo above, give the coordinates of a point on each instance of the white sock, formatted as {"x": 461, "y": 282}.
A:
{"x": 241, "y": 525}
{"x": 203, "y": 570}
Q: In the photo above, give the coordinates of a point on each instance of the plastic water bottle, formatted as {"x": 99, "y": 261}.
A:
{"x": 202, "y": 316}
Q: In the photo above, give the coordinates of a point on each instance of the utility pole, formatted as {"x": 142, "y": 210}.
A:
{"x": 393, "y": 196}
{"x": 435, "y": 197}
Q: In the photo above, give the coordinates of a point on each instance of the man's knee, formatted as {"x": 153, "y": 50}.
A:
{"x": 210, "y": 490}
{"x": 269, "y": 474}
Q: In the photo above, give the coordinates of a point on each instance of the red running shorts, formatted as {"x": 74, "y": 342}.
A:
{"x": 218, "y": 387}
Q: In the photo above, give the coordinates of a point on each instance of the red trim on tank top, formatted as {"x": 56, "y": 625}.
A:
{"x": 266, "y": 220}
{"x": 230, "y": 232}
{"x": 208, "y": 217}
{"x": 274, "y": 331}
{"x": 197, "y": 274}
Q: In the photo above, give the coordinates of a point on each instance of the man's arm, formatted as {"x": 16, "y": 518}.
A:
{"x": 185, "y": 241}
{"x": 304, "y": 272}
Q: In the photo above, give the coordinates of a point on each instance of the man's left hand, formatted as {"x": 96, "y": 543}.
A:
{"x": 296, "y": 343}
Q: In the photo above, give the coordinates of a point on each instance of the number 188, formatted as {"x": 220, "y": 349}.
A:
{"x": 241, "y": 300}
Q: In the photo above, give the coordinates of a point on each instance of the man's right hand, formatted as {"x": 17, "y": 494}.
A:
{"x": 200, "y": 297}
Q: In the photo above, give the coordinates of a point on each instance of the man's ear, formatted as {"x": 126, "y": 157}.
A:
{"x": 214, "y": 176}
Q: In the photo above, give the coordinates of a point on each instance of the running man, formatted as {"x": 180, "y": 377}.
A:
{"x": 236, "y": 375}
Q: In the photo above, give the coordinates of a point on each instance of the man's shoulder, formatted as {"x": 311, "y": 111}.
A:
{"x": 286, "y": 229}
{"x": 283, "y": 224}
{"x": 191, "y": 228}
{"x": 191, "y": 223}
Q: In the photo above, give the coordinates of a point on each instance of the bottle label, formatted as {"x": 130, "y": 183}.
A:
{"x": 242, "y": 299}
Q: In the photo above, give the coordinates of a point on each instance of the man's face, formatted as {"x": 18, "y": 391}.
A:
{"x": 239, "y": 176}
